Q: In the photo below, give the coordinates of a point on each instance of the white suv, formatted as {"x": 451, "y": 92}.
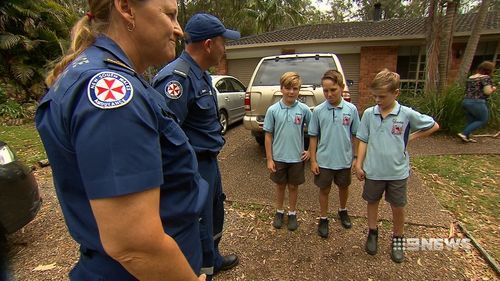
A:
{"x": 264, "y": 87}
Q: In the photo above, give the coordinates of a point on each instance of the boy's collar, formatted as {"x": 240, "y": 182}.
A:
{"x": 331, "y": 106}
{"x": 283, "y": 105}
{"x": 394, "y": 111}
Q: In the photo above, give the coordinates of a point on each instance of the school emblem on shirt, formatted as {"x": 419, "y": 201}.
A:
{"x": 109, "y": 90}
{"x": 298, "y": 119}
{"x": 397, "y": 128}
{"x": 173, "y": 90}
{"x": 346, "y": 120}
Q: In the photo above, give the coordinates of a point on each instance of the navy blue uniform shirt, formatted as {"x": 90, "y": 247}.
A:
{"x": 107, "y": 133}
{"x": 191, "y": 97}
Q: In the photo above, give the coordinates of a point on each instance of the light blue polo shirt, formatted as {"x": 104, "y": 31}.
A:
{"x": 334, "y": 126}
{"x": 386, "y": 156}
{"x": 286, "y": 123}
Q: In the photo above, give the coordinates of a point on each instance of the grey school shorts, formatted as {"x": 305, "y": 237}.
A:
{"x": 342, "y": 178}
{"x": 395, "y": 191}
{"x": 288, "y": 173}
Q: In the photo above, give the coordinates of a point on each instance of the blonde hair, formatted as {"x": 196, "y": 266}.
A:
{"x": 83, "y": 34}
{"x": 335, "y": 76}
{"x": 290, "y": 79}
{"x": 385, "y": 80}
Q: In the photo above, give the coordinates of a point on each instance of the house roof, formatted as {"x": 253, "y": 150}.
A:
{"x": 386, "y": 29}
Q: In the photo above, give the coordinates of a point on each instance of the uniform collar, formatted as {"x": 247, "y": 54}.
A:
{"x": 195, "y": 68}
{"x": 329, "y": 106}
{"x": 394, "y": 111}
{"x": 104, "y": 42}
{"x": 283, "y": 105}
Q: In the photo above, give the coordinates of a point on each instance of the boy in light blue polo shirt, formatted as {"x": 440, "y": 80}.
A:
{"x": 383, "y": 160}
{"x": 284, "y": 141}
{"x": 331, "y": 146}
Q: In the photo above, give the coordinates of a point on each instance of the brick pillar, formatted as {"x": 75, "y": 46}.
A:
{"x": 372, "y": 60}
{"x": 221, "y": 68}
{"x": 457, "y": 53}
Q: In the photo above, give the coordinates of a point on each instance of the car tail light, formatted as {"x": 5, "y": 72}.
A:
{"x": 247, "y": 101}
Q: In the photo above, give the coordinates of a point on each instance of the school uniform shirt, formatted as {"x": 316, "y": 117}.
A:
{"x": 286, "y": 124}
{"x": 387, "y": 138}
{"x": 334, "y": 127}
{"x": 108, "y": 133}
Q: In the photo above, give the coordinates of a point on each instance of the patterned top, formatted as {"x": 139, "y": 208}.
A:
{"x": 474, "y": 87}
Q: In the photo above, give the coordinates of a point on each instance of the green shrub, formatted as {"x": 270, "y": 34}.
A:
{"x": 11, "y": 110}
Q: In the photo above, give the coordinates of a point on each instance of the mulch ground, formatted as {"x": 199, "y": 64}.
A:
{"x": 43, "y": 250}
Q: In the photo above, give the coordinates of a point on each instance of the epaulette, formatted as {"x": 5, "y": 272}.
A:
{"x": 119, "y": 63}
{"x": 181, "y": 68}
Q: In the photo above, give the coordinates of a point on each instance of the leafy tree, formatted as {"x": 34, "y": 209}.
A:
{"x": 275, "y": 14}
{"x": 391, "y": 9}
{"x": 32, "y": 33}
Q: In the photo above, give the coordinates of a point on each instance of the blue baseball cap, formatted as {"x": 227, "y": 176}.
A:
{"x": 205, "y": 26}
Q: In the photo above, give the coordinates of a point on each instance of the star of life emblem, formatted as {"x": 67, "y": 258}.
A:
{"x": 108, "y": 90}
{"x": 173, "y": 89}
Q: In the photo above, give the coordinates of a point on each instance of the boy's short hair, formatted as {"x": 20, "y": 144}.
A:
{"x": 385, "y": 80}
{"x": 290, "y": 79}
{"x": 335, "y": 76}
{"x": 486, "y": 67}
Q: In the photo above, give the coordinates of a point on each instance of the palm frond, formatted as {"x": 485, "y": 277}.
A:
{"x": 22, "y": 72}
{"x": 9, "y": 40}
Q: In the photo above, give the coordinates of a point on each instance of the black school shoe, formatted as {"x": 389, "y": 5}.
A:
{"x": 292, "y": 222}
{"x": 228, "y": 262}
{"x": 372, "y": 241}
{"x": 323, "y": 228}
{"x": 397, "y": 253}
{"x": 278, "y": 220}
{"x": 344, "y": 219}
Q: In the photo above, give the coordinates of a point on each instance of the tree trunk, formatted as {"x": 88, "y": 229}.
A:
{"x": 446, "y": 43}
{"x": 470, "y": 50}
{"x": 432, "y": 48}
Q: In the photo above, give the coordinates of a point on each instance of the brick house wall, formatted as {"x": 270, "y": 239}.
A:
{"x": 221, "y": 68}
{"x": 372, "y": 60}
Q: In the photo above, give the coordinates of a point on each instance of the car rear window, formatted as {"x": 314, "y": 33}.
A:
{"x": 310, "y": 69}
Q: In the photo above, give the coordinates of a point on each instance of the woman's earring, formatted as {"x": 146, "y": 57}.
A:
{"x": 131, "y": 26}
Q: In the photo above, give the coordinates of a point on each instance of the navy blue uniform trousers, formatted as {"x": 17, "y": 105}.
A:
{"x": 212, "y": 218}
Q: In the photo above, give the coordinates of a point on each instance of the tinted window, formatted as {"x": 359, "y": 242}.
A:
{"x": 223, "y": 86}
{"x": 310, "y": 70}
{"x": 238, "y": 87}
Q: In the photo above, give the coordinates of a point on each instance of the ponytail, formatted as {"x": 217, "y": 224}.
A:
{"x": 81, "y": 38}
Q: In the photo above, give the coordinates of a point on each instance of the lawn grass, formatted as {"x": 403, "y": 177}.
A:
{"x": 467, "y": 185}
{"x": 24, "y": 141}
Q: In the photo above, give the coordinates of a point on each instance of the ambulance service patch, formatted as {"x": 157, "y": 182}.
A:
{"x": 108, "y": 90}
{"x": 173, "y": 90}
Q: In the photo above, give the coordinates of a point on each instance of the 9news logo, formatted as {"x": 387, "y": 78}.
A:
{"x": 433, "y": 244}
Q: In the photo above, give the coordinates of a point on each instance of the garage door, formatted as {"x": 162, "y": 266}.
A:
{"x": 242, "y": 68}
{"x": 350, "y": 65}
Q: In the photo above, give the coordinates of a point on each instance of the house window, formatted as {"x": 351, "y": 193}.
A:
{"x": 411, "y": 68}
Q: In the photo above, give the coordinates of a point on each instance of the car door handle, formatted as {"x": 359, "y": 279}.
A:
{"x": 226, "y": 98}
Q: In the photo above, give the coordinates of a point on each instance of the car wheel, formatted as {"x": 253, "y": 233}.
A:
{"x": 223, "y": 121}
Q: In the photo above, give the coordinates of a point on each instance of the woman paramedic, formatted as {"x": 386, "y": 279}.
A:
{"x": 123, "y": 170}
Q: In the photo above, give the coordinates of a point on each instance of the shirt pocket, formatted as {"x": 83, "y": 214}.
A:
{"x": 205, "y": 102}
